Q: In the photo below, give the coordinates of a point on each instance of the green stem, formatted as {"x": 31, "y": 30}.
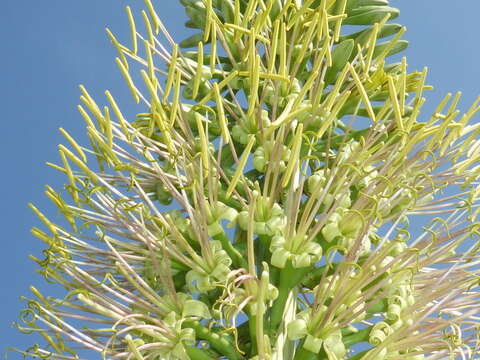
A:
{"x": 195, "y": 353}
{"x": 222, "y": 196}
{"x": 218, "y": 342}
{"x": 274, "y": 275}
{"x": 237, "y": 258}
{"x": 278, "y": 306}
{"x": 252, "y": 324}
{"x": 303, "y": 354}
{"x": 359, "y": 336}
{"x": 262, "y": 245}
{"x": 289, "y": 278}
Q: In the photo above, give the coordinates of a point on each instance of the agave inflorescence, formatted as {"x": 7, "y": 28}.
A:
{"x": 292, "y": 158}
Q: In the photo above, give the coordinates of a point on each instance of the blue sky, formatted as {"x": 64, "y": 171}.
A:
{"x": 49, "y": 47}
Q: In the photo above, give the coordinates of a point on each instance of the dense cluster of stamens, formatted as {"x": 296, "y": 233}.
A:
{"x": 259, "y": 206}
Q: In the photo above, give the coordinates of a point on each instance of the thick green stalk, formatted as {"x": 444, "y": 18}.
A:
{"x": 252, "y": 325}
{"x": 218, "y": 342}
{"x": 289, "y": 278}
{"x": 303, "y": 354}
{"x": 237, "y": 258}
{"x": 197, "y": 354}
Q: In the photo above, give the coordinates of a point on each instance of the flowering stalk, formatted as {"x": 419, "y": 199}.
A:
{"x": 292, "y": 158}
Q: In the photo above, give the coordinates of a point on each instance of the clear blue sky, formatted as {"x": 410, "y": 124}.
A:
{"x": 48, "y": 47}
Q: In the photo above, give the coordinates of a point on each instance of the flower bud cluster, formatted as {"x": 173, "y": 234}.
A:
{"x": 182, "y": 336}
{"x": 305, "y": 255}
{"x": 264, "y": 153}
{"x": 217, "y": 213}
{"x": 269, "y": 219}
{"x": 292, "y": 214}
{"x": 283, "y": 94}
{"x": 247, "y": 126}
{"x": 398, "y": 313}
{"x": 343, "y": 226}
{"x": 313, "y": 341}
{"x": 210, "y": 275}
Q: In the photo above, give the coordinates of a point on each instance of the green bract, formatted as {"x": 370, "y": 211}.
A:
{"x": 292, "y": 157}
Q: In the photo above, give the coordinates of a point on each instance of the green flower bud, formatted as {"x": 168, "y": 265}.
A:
{"x": 314, "y": 249}
{"x": 214, "y": 229}
{"x": 334, "y": 347}
{"x": 195, "y": 308}
{"x": 301, "y": 260}
{"x": 280, "y": 257}
{"x": 242, "y": 220}
{"x": 197, "y": 282}
{"x": 316, "y": 181}
{"x": 351, "y": 224}
{"x": 295, "y": 87}
{"x": 259, "y": 160}
{"x": 268, "y": 220}
{"x": 263, "y": 155}
{"x": 314, "y": 123}
{"x": 269, "y": 94}
{"x": 346, "y": 243}
{"x": 272, "y": 292}
{"x": 379, "y": 333}
{"x": 208, "y": 278}
{"x": 345, "y": 201}
{"x": 274, "y": 225}
{"x": 329, "y": 285}
{"x": 331, "y": 231}
{"x": 305, "y": 115}
{"x": 135, "y": 342}
{"x": 313, "y": 344}
{"x": 221, "y": 270}
{"x": 219, "y": 212}
{"x": 297, "y": 329}
{"x": 410, "y": 300}
{"x": 240, "y": 135}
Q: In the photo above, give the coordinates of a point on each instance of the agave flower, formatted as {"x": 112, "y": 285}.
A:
{"x": 259, "y": 205}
